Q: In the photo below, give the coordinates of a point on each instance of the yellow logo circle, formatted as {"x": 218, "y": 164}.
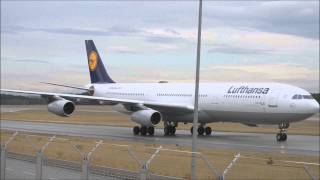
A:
{"x": 93, "y": 60}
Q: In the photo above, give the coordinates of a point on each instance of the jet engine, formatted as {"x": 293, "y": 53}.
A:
{"x": 61, "y": 107}
{"x": 146, "y": 117}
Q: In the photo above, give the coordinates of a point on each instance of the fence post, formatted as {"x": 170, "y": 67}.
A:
{"x": 84, "y": 164}
{"x": 144, "y": 173}
{"x": 306, "y": 168}
{"x": 39, "y": 165}
{"x": 3, "y": 161}
{"x": 230, "y": 165}
{"x": 4, "y": 156}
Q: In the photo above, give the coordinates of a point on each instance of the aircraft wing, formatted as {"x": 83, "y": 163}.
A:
{"x": 164, "y": 107}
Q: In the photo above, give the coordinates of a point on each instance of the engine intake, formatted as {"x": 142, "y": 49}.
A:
{"x": 61, "y": 107}
{"x": 147, "y": 117}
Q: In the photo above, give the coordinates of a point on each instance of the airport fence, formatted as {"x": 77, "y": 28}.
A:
{"x": 91, "y": 158}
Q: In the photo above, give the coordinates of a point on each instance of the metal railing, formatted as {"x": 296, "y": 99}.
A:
{"x": 84, "y": 167}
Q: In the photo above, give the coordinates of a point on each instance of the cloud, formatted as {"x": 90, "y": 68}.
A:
{"x": 162, "y": 39}
{"x": 261, "y": 72}
{"x": 229, "y": 49}
{"x": 253, "y": 42}
{"x": 286, "y": 17}
{"x": 123, "y": 50}
{"x": 30, "y": 61}
{"x": 112, "y": 31}
{"x": 160, "y": 35}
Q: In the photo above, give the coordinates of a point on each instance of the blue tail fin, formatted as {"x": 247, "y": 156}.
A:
{"x": 98, "y": 73}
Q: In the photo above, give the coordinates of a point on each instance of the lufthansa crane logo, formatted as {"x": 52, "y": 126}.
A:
{"x": 93, "y": 60}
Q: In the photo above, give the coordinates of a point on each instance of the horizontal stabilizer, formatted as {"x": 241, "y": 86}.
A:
{"x": 67, "y": 86}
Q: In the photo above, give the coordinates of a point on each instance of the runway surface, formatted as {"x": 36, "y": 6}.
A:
{"x": 296, "y": 144}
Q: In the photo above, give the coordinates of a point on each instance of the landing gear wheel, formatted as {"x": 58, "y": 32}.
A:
{"x": 172, "y": 130}
{"x": 200, "y": 130}
{"x": 284, "y": 137}
{"x": 191, "y": 130}
{"x": 143, "y": 130}
{"x": 136, "y": 130}
{"x": 278, "y": 137}
{"x": 169, "y": 130}
{"x": 151, "y": 131}
{"x": 281, "y": 137}
{"x": 166, "y": 131}
{"x": 208, "y": 131}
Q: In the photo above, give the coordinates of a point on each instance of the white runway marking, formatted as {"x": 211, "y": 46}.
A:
{"x": 52, "y": 178}
{"x": 9, "y": 169}
{"x": 29, "y": 173}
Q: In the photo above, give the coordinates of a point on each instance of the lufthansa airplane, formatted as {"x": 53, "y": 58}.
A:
{"x": 149, "y": 103}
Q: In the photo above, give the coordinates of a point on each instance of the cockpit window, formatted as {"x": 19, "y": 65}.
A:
{"x": 307, "y": 97}
{"x": 298, "y": 96}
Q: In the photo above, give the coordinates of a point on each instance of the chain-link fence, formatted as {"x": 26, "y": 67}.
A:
{"x": 61, "y": 157}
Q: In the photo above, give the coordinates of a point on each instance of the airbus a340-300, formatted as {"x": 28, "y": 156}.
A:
{"x": 150, "y": 103}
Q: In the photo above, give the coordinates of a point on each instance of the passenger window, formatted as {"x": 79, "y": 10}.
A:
{"x": 299, "y": 96}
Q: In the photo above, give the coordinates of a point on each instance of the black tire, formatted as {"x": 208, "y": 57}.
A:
{"x": 143, "y": 130}
{"x": 173, "y": 130}
{"x": 191, "y": 130}
{"x": 208, "y": 131}
{"x": 279, "y": 137}
{"x": 136, "y": 130}
{"x": 200, "y": 130}
{"x": 166, "y": 131}
{"x": 151, "y": 131}
{"x": 283, "y": 137}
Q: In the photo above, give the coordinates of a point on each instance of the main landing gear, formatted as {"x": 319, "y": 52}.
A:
{"x": 169, "y": 128}
{"x": 282, "y": 135}
{"x": 143, "y": 130}
{"x": 202, "y": 130}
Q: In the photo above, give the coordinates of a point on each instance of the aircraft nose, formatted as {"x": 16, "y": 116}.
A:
{"x": 315, "y": 106}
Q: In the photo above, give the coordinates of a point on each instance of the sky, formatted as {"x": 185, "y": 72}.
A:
{"x": 149, "y": 41}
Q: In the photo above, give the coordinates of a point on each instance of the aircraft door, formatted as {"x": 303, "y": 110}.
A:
{"x": 272, "y": 102}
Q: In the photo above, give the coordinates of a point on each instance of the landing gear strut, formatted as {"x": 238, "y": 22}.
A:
{"x": 169, "y": 128}
{"x": 143, "y": 130}
{"x": 282, "y": 135}
{"x": 202, "y": 130}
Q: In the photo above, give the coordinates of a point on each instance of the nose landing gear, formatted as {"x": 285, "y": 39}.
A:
{"x": 282, "y": 135}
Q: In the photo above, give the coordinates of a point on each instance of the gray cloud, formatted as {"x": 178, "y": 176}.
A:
{"x": 31, "y": 61}
{"x": 25, "y": 60}
{"x": 292, "y": 17}
{"x": 163, "y": 39}
{"x": 300, "y": 18}
{"x": 112, "y": 31}
{"x": 227, "y": 49}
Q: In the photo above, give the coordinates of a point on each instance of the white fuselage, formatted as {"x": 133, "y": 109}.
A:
{"x": 248, "y": 103}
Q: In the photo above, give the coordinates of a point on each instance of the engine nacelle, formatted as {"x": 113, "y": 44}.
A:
{"x": 147, "y": 117}
{"x": 61, "y": 107}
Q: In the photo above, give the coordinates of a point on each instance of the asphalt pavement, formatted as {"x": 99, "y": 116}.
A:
{"x": 296, "y": 144}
